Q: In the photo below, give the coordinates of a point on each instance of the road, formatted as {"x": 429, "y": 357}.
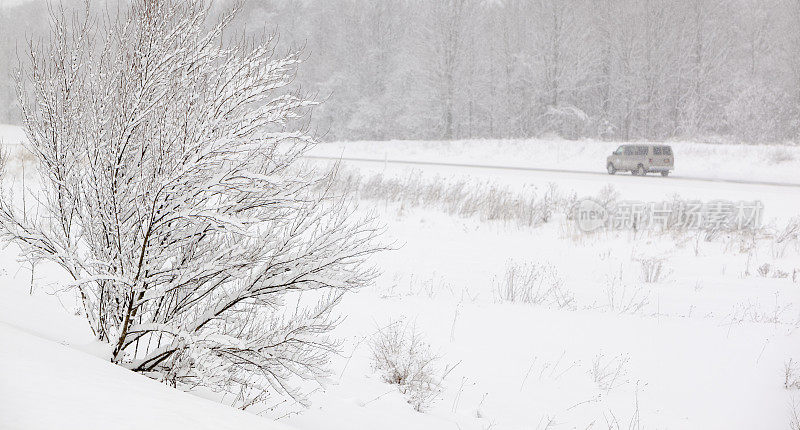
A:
{"x": 542, "y": 169}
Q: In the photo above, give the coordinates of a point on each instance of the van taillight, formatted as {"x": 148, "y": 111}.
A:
{"x": 650, "y": 161}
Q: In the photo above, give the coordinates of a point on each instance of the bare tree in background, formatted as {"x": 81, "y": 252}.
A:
{"x": 203, "y": 255}
{"x": 792, "y": 59}
{"x": 449, "y": 20}
{"x": 561, "y": 63}
{"x": 616, "y": 69}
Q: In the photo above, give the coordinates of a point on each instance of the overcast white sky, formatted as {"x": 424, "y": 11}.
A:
{"x": 9, "y": 3}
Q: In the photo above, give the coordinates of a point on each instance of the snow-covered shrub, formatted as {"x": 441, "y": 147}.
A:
{"x": 783, "y": 239}
{"x": 535, "y": 283}
{"x": 16, "y": 159}
{"x": 790, "y": 232}
{"x": 200, "y": 250}
{"x": 780, "y": 154}
{"x": 675, "y": 223}
{"x": 774, "y": 313}
{"x": 615, "y": 421}
{"x": 653, "y": 268}
{"x": 607, "y": 196}
{"x": 403, "y": 358}
{"x": 609, "y": 372}
{"x": 767, "y": 270}
{"x": 791, "y": 376}
{"x": 682, "y": 222}
{"x": 764, "y": 270}
{"x": 554, "y": 202}
{"x": 567, "y": 121}
{"x": 622, "y": 297}
{"x": 566, "y": 205}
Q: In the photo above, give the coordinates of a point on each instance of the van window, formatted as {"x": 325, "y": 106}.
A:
{"x": 628, "y": 150}
{"x": 656, "y": 150}
{"x": 667, "y": 150}
{"x": 641, "y": 150}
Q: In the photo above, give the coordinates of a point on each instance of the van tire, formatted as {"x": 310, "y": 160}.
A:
{"x": 665, "y": 173}
{"x": 639, "y": 170}
{"x": 611, "y": 169}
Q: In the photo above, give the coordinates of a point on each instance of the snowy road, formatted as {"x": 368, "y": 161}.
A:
{"x": 545, "y": 170}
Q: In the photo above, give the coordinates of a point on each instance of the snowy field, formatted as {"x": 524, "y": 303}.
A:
{"x": 527, "y": 324}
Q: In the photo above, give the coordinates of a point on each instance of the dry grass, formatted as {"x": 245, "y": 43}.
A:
{"x": 465, "y": 198}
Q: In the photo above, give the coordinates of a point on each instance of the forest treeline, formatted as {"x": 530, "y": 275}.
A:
{"x": 711, "y": 70}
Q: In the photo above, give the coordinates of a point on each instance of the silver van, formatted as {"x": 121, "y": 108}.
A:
{"x": 641, "y": 159}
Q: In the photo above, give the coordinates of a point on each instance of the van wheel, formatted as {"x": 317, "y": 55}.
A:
{"x": 611, "y": 169}
{"x": 639, "y": 170}
{"x": 665, "y": 173}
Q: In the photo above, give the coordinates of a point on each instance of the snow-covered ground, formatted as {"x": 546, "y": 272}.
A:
{"x": 707, "y": 341}
{"x": 705, "y": 346}
{"x": 50, "y": 377}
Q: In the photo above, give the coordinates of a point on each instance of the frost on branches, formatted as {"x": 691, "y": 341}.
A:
{"x": 170, "y": 195}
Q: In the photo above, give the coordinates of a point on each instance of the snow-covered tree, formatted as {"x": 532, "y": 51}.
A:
{"x": 170, "y": 194}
